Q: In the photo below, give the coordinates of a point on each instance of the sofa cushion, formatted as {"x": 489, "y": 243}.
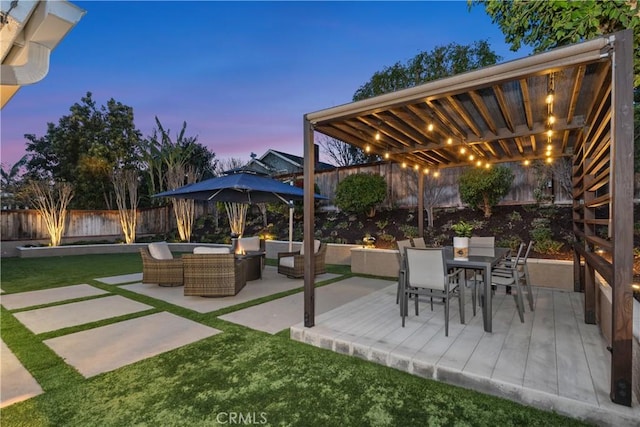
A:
{"x": 287, "y": 261}
{"x": 248, "y": 244}
{"x": 316, "y": 246}
{"x": 210, "y": 250}
{"x": 160, "y": 250}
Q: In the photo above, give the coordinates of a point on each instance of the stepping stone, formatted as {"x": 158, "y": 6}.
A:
{"x": 118, "y": 280}
{"x": 112, "y": 346}
{"x": 16, "y": 383}
{"x": 78, "y": 313}
{"x": 48, "y": 296}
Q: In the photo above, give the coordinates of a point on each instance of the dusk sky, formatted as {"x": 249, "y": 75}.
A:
{"x": 241, "y": 74}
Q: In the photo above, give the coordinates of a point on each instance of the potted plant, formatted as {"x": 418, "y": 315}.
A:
{"x": 463, "y": 231}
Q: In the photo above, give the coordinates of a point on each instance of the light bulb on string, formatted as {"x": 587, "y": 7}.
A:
{"x": 377, "y": 136}
{"x": 449, "y": 141}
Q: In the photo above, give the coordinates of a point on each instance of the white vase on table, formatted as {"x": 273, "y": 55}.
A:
{"x": 460, "y": 248}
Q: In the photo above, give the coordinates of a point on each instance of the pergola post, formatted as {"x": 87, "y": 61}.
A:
{"x": 420, "y": 204}
{"x": 308, "y": 224}
{"x": 622, "y": 217}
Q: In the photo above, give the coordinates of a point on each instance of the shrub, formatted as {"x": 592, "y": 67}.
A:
{"x": 480, "y": 187}
{"x": 361, "y": 193}
{"x": 409, "y": 231}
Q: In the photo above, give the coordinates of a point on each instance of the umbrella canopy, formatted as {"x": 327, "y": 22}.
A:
{"x": 239, "y": 188}
{"x": 244, "y": 188}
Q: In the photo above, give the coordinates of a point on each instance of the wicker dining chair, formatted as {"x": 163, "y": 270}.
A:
{"x": 164, "y": 272}
{"x": 213, "y": 275}
{"x": 291, "y": 264}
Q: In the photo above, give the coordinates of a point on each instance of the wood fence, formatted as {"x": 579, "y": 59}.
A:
{"x": 402, "y": 187}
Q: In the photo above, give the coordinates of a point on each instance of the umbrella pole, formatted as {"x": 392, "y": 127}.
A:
{"x": 290, "y": 227}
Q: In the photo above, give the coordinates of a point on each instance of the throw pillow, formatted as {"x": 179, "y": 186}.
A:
{"x": 160, "y": 250}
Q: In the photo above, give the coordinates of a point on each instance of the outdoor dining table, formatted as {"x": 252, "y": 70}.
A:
{"x": 479, "y": 259}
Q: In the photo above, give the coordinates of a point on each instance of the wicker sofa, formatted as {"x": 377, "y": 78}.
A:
{"x": 291, "y": 264}
{"x": 164, "y": 272}
{"x": 213, "y": 275}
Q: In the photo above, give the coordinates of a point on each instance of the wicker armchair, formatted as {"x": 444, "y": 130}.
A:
{"x": 164, "y": 272}
{"x": 213, "y": 275}
{"x": 291, "y": 264}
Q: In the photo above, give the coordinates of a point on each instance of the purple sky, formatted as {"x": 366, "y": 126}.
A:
{"x": 241, "y": 74}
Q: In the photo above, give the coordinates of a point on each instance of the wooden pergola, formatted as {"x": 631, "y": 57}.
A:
{"x": 573, "y": 101}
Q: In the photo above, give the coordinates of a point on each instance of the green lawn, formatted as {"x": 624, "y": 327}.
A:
{"x": 269, "y": 380}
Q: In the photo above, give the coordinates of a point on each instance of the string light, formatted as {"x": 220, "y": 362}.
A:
{"x": 479, "y": 163}
{"x": 387, "y": 155}
{"x": 430, "y": 127}
{"x": 404, "y": 165}
{"x": 527, "y": 162}
{"x": 436, "y": 174}
{"x": 549, "y": 160}
{"x": 487, "y": 165}
{"x": 462, "y": 150}
{"x": 449, "y": 141}
{"x": 416, "y": 167}
{"x": 377, "y": 136}
{"x": 426, "y": 171}
{"x": 471, "y": 157}
{"x": 367, "y": 148}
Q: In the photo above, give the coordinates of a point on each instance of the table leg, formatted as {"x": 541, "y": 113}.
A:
{"x": 487, "y": 310}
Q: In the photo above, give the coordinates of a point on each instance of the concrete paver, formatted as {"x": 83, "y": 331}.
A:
{"x": 16, "y": 383}
{"x": 118, "y": 280}
{"x": 48, "y": 296}
{"x": 78, "y": 313}
{"x": 271, "y": 283}
{"x": 109, "y": 347}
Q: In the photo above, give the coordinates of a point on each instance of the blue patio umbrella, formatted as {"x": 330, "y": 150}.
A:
{"x": 245, "y": 188}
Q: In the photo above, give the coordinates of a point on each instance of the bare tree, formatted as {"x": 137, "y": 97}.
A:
{"x": 562, "y": 171}
{"x": 343, "y": 154}
{"x": 51, "y": 201}
{"x": 125, "y": 183}
{"x": 224, "y": 165}
{"x": 433, "y": 192}
{"x": 178, "y": 175}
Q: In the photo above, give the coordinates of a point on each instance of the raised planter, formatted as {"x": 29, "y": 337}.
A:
{"x": 115, "y": 248}
{"x": 377, "y": 262}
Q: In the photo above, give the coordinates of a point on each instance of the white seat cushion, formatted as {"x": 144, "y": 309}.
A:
{"x": 287, "y": 261}
{"x": 160, "y": 250}
{"x": 247, "y": 244}
{"x": 210, "y": 250}
{"x": 316, "y": 246}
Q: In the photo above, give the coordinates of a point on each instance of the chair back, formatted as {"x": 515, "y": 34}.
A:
{"x": 425, "y": 267}
{"x": 418, "y": 242}
{"x": 526, "y": 254}
{"x": 401, "y": 245}
{"x": 482, "y": 242}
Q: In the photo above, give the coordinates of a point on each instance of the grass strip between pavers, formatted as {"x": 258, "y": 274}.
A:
{"x": 269, "y": 379}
